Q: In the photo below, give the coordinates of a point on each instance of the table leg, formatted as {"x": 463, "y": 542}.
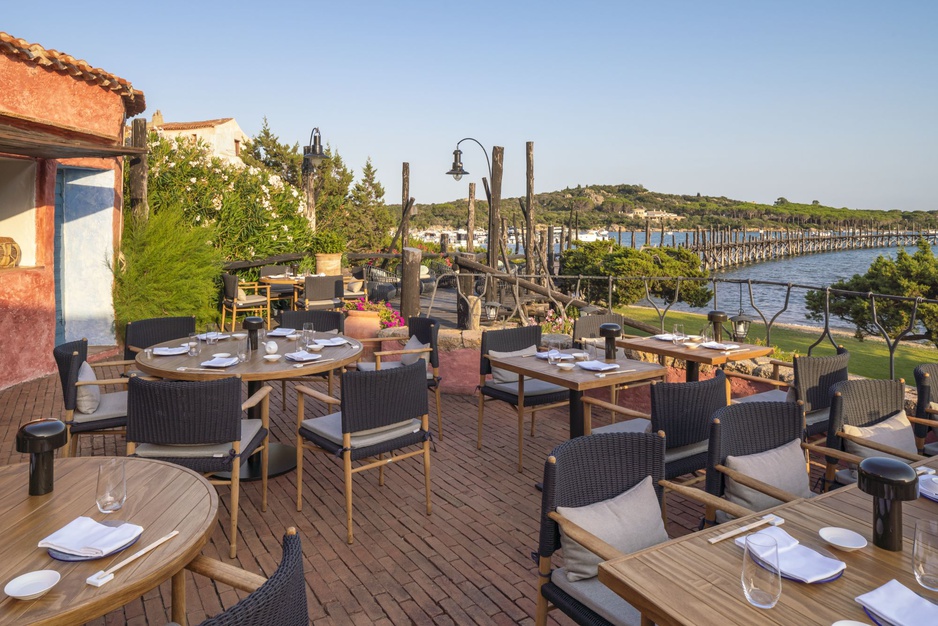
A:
{"x": 576, "y": 414}
{"x": 693, "y": 371}
{"x": 179, "y": 597}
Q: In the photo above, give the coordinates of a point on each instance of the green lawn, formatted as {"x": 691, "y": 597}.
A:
{"x": 868, "y": 358}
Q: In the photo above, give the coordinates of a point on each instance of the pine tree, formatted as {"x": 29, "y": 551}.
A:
{"x": 371, "y": 218}
{"x": 332, "y": 183}
{"x": 265, "y": 150}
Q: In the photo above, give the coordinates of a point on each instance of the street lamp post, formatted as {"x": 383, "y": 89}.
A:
{"x": 312, "y": 157}
{"x": 493, "y": 194}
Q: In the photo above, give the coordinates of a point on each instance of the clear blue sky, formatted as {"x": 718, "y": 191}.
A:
{"x": 832, "y": 101}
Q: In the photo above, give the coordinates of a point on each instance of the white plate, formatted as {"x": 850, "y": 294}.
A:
{"x": 849, "y": 622}
{"x": 221, "y": 355}
{"x": 842, "y": 539}
{"x": 32, "y": 585}
{"x": 271, "y": 357}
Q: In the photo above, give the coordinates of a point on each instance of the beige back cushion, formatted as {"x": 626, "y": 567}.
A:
{"x": 895, "y": 431}
{"x": 89, "y": 396}
{"x": 782, "y": 467}
{"x": 500, "y": 375}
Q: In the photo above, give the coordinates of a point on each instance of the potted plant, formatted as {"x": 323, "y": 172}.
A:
{"x": 328, "y": 246}
{"x": 364, "y": 319}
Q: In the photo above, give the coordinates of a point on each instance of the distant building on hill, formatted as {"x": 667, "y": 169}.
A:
{"x": 223, "y": 136}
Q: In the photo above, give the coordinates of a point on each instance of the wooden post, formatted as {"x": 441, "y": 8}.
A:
{"x": 405, "y": 196}
{"x": 444, "y": 243}
{"x": 498, "y": 165}
{"x": 471, "y": 224}
{"x": 410, "y": 282}
{"x": 138, "y": 172}
{"x": 529, "y": 209}
{"x": 549, "y": 246}
{"x": 633, "y": 240}
{"x": 662, "y": 243}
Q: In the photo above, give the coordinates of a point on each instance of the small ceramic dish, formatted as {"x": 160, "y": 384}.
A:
{"x": 580, "y": 356}
{"x": 271, "y": 357}
{"x": 314, "y": 348}
{"x": 293, "y": 337}
{"x": 239, "y": 335}
{"x": 32, "y": 585}
{"x": 842, "y": 538}
{"x": 566, "y": 366}
{"x": 221, "y": 355}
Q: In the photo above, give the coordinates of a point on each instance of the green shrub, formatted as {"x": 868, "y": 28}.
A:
{"x": 327, "y": 242}
{"x": 167, "y": 269}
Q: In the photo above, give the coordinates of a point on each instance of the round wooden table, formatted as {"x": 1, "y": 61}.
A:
{"x": 161, "y": 498}
{"x": 256, "y": 370}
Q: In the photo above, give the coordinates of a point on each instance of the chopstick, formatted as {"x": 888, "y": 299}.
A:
{"x": 105, "y": 576}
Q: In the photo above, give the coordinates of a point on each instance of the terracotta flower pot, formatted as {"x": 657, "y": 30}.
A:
{"x": 363, "y": 325}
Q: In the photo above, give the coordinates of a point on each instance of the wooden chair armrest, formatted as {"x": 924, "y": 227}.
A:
{"x": 931, "y": 411}
{"x": 228, "y": 574}
{"x": 312, "y": 393}
{"x": 413, "y": 351}
{"x": 379, "y": 339}
{"x": 614, "y": 407}
{"x": 105, "y": 381}
{"x": 585, "y": 538}
{"x": 873, "y": 445}
{"x": 781, "y": 363}
{"x": 121, "y": 363}
{"x": 254, "y": 400}
{"x": 707, "y": 499}
{"x": 758, "y": 485}
{"x": 755, "y": 379}
{"x": 923, "y": 421}
{"x": 837, "y": 454}
{"x": 134, "y": 349}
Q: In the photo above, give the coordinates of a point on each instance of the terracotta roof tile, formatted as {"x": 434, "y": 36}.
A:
{"x": 193, "y": 125}
{"x": 134, "y": 101}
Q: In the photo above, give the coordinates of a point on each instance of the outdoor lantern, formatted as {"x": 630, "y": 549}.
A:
{"x": 457, "y": 171}
{"x": 741, "y": 325}
{"x": 491, "y": 310}
{"x": 313, "y": 154}
{"x": 889, "y": 481}
{"x": 39, "y": 439}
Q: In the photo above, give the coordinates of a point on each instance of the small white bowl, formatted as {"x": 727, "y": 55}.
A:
{"x": 239, "y": 335}
{"x": 314, "y": 348}
{"x": 221, "y": 355}
{"x": 292, "y": 337}
{"x": 566, "y": 366}
{"x": 580, "y": 356}
{"x": 842, "y": 538}
{"x": 32, "y": 585}
{"x": 271, "y": 357}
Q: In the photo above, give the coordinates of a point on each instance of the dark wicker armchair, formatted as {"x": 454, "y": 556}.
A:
{"x": 536, "y": 394}
{"x": 278, "y": 291}
{"x": 380, "y": 412}
{"x": 320, "y": 293}
{"x": 198, "y": 425}
{"x": 106, "y": 415}
{"x": 322, "y": 321}
{"x": 926, "y": 407}
{"x": 145, "y": 333}
{"x": 238, "y": 297}
{"x": 587, "y": 326}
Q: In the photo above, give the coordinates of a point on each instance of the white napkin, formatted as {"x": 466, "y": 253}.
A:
{"x": 221, "y": 362}
{"x": 796, "y": 561}
{"x": 277, "y": 276}
{"x": 665, "y": 337}
{"x": 281, "y": 332}
{"x": 217, "y": 336}
{"x": 557, "y": 354}
{"x": 598, "y": 366}
{"x": 899, "y": 605}
{"x": 928, "y": 487}
{"x": 302, "y": 356}
{"x": 335, "y": 341}
{"x": 713, "y": 345}
{"x": 86, "y": 537}
{"x": 171, "y": 351}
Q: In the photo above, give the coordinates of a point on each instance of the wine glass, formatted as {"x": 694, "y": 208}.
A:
{"x": 678, "y": 335}
{"x": 760, "y": 577}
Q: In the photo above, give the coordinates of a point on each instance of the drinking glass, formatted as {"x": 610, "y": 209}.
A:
{"x": 194, "y": 347}
{"x": 243, "y": 351}
{"x": 706, "y": 334}
{"x": 761, "y": 580}
{"x": 925, "y": 554}
{"x": 553, "y": 354}
{"x": 211, "y": 334}
{"x": 308, "y": 338}
{"x": 678, "y": 334}
{"x": 112, "y": 486}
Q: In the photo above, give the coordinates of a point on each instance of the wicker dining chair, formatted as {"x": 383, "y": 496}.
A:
{"x": 322, "y": 321}
{"x": 278, "y": 291}
{"x": 87, "y": 410}
{"x": 321, "y": 293}
{"x": 380, "y": 412}
{"x": 537, "y": 395}
{"x": 587, "y": 326}
{"x": 240, "y": 297}
{"x": 142, "y": 334}
{"x": 926, "y": 407}
{"x": 198, "y": 425}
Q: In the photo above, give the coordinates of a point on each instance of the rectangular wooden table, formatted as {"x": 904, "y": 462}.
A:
{"x": 579, "y": 380}
{"x": 689, "y": 581}
{"x": 693, "y": 354}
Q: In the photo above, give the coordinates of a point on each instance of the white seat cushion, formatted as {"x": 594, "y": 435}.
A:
{"x": 251, "y": 300}
{"x": 772, "y": 395}
{"x": 332, "y": 303}
{"x": 629, "y": 522}
{"x": 330, "y": 427}
{"x": 816, "y": 417}
{"x": 676, "y": 454}
{"x": 369, "y": 366}
{"x": 88, "y": 396}
{"x": 895, "y": 431}
{"x": 500, "y": 375}
{"x": 112, "y": 405}
{"x": 249, "y": 429}
{"x": 532, "y": 387}
{"x": 600, "y": 598}
{"x": 637, "y": 425}
{"x": 782, "y": 467}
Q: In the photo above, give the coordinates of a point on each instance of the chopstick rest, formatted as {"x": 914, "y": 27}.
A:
{"x": 774, "y": 520}
{"x": 98, "y": 579}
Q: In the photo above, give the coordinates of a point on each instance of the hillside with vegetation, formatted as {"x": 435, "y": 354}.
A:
{"x": 607, "y": 206}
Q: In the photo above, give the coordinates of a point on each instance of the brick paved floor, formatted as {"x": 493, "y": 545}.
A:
{"x": 469, "y": 562}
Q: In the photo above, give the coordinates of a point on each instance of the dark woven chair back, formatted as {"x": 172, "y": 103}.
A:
{"x": 507, "y": 340}
{"x": 145, "y": 333}
{"x": 277, "y": 270}
{"x": 68, "y": 364}
{"x": 595, "y": 468}
{"x": 230, "y": 286}
{"x": 862, "y": 403}
{"x": 323, "y": 288}
{"x": 322, "y": 321}
{"x": 177, "y": 413}
{"x": 426, "y": 330}
{"x": 281, "y": 601}
{"x": 815, "y": 375}
{"x": 587, "y": 327}
{"x": 926, "y": 377}
{"x": 749, "y": 428}
{"x": 384, "y": 397}
{"x": 683, "y": 410}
